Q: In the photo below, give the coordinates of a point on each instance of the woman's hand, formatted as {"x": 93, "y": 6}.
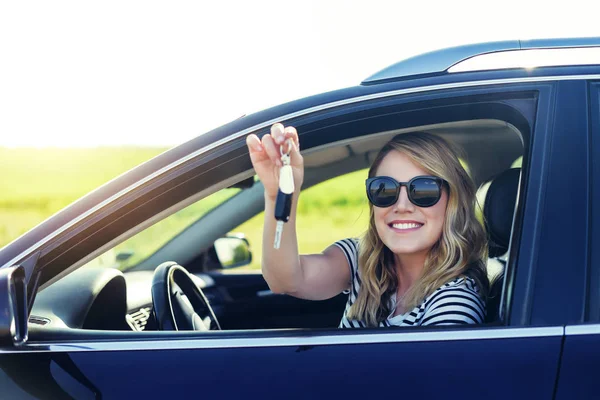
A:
{"x": 266, "y": 157}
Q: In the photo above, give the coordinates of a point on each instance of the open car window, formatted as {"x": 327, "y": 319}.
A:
{"x": 333, "y": 206}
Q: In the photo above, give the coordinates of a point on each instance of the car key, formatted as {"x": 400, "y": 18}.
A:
{"x": 283, "y": 202}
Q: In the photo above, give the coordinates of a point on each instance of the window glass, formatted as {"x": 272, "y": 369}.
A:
{"x": 145, "y": 243}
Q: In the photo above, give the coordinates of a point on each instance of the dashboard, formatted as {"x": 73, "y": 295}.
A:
{"x": 102, "y": 299}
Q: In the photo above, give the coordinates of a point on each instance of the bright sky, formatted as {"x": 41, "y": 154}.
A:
{"x": 78, "y": 73}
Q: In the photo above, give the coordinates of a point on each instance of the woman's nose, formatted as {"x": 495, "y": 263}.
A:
{"x": 403, "y": 204}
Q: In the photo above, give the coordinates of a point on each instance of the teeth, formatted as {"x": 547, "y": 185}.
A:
{"x": 406, "y": 226}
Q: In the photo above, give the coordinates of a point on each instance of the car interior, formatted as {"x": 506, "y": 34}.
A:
{"x": 108, "y": 299}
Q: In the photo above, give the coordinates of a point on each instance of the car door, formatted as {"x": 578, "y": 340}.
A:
{"x": 581, "y": 353}
{"x": 250, "y": 304}
{"x": 515, "y": 358}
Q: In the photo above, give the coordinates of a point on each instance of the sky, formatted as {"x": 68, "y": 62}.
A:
{"x": 150, "y": 73}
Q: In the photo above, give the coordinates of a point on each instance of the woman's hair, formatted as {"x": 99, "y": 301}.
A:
{"x": 460, "y": 250}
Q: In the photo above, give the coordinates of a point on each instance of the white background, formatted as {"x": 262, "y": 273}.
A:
{"x": 79, "y": 73}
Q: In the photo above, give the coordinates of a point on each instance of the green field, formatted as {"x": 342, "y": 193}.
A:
{"x": 36, "y": 183}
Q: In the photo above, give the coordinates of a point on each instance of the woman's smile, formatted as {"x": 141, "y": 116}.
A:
{"x": 403, "y": 226}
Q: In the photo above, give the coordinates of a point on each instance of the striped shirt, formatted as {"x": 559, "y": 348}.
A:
{"x": 454, "y": 303}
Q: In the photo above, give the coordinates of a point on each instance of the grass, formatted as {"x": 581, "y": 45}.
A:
{"x": 36, "y": 183}
{"x": 49, "y": 179}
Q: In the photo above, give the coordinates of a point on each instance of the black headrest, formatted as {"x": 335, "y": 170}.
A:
{"x": 498, "y": 210}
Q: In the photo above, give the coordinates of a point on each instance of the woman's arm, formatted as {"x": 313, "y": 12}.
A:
{"x": 316, "y": 276}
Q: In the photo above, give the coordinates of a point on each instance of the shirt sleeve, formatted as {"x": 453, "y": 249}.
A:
{"x": 350, "y": 249}
{"x": 454, "y": 306}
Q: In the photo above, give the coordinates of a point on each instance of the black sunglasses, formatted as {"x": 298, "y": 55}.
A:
{"x": 423, "y": 191}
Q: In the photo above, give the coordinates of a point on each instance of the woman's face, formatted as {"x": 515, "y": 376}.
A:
{"x": 403, "y": 227}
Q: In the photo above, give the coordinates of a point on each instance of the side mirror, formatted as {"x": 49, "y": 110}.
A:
{"x": 13, "y": 306}
{"x": 233, "y": 251}
{"x": 124, "y": 255}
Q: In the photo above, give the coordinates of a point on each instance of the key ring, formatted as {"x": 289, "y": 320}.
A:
{"x": 289, "y": 150}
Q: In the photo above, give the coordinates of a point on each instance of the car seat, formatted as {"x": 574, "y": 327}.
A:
{"x": 498, "y": 210}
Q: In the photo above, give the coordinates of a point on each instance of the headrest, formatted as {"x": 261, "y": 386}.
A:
{"x": 498, "y": 210}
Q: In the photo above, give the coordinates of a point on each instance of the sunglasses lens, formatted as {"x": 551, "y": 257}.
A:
{"x": 382, "y": 192}
{"x": 425, "y": 192}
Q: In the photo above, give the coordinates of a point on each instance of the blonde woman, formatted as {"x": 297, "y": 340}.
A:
{"x": 420, "y": 261}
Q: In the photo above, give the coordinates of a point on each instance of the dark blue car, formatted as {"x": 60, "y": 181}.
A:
{"x": 84, "y": 317}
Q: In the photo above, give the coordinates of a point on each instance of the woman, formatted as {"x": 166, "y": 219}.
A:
{"x": 421, "y": 259}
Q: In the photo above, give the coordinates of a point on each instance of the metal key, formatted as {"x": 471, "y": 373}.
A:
{"x": 283, "y": 202}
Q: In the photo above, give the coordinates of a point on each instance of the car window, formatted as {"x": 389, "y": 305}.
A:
{"x": 206, "y": 238}
{"x": 139, "y": 247}
{"x": 332, "y": 210}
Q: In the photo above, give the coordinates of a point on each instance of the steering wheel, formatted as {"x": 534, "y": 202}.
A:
{"x": 179, "y": 303}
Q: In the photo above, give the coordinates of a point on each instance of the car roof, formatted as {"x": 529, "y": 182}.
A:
{"x": 441, "y": 61}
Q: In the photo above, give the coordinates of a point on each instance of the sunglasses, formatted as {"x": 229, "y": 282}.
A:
{"x": 423, "y": 191}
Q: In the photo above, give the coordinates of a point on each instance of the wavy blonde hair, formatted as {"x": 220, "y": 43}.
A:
{"x": 460, "y": 250}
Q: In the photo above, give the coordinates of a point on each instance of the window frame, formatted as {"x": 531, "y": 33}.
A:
{"x": 236, "y": 146}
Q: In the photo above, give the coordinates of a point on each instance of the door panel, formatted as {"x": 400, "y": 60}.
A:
{"x": 433, "y": 367}
{"x": 581, "y": 354}
{"x": 579, "y": 364}
{"x": 245, "y": 302}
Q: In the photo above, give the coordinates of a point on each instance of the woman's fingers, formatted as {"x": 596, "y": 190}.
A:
{"x": 269, "y": 146}
{"x": 291, "y": 133}
{"x": 291, "y": 136}
{"x": 277, "y": 131}
{"x": 272, "y": 149}
{"x": 280, "y": 134}
{"x": 253, "y": 143}
{"x": 256, "y": 149}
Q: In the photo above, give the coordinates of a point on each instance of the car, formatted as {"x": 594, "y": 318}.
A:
{"x": 86, "y": 317}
